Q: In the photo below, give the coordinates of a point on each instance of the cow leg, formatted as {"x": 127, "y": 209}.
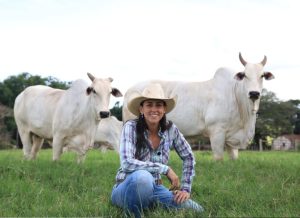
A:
{"x": 75, "y": 148}
{"x": 67, "y": 149}
{"x": 111, "y": 146}
{"x": 80, "y": 153}
{"x": 37, "y": 144}
{"x": 27, "y": 144}
{"x": 103, "y": 148}
{"x": 233, "y": 153}
{"x": 81, "y": 158}
{"x": 76, "y": 144}
{"x": 57, "y": 148}
{"x": 217, "y": 141}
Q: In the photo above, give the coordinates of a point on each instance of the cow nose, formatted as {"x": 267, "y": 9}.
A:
{"x": 254, "y": 95}
{"x": 104, "y": 114}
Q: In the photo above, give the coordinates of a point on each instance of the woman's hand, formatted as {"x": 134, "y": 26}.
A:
{"x": 181, "y": 196}
{"x": 174, "y": 180}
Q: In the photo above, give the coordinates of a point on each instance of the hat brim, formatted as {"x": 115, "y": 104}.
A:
{"x": 134, "y": 104}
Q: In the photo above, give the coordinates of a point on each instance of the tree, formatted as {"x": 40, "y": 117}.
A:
{"x": 297, "y": 124}
{"x": 275, "y": 117}
{"x": 296, "y": 120}
{"x": 117, "y": 111}
{"x": 55, "y": 83}
{"x": 14, "y": 85}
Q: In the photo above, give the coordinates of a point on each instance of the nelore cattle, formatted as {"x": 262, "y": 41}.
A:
{"x": 62, "y": 116}
{"x": 108, "y": 133}
{"x": 223, "y": 108}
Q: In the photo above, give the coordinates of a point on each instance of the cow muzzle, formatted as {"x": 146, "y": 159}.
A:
{"x": 254, "y": 95}
{"x": 104, "y": 114}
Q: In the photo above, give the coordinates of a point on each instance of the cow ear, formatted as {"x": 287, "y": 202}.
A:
{"x": 89, "y": 90}
{"x": 268, "y": 75}
{"x": 115, "y": 92}
{"x": 239, "y": 76}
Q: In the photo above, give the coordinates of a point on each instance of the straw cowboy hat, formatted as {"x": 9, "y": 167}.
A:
{"x": 152, "y": 91}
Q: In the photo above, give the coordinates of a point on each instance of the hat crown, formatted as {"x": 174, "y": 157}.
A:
{"x": 154, "y": 91}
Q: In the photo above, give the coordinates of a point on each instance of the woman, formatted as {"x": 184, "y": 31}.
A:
{"x": 144, "y": 152}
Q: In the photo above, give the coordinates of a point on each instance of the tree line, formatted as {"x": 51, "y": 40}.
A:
{"x": 274, "y": 118}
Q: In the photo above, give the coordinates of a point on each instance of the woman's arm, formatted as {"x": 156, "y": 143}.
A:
{"x": 185, "y": 152}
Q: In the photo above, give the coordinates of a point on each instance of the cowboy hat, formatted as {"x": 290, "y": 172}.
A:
{"x": 152, "y": 91}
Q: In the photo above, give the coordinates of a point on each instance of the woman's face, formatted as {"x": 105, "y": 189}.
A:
{"x": 153, "y": 110}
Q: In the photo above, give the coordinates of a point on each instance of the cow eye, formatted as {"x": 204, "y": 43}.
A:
{"x": 240, "y": 76}
{"x": 267, "y": 75}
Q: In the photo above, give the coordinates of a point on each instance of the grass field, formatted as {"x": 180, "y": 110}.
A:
{"x": 258, "y": 184}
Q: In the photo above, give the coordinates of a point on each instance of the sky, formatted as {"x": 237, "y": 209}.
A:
{"x": 137, "y": 40}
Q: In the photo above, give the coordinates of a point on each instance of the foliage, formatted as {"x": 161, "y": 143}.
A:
{"x": 275, "y": 117}
{"x": 297, "y": 124}
{"x": 296, "y": 103}
{"x": 55, "y": 83}
{"x": 10, "y": 123}
{"x": 117, "y": 111}
{"x": 258, "y": 184}
{"x": 14, "y": 85}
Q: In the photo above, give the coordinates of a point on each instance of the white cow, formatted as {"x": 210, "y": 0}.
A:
{"x": 107, "y": 136}
{"x": 108, "y": 133}
{"x": 69, "y": 117}
{"x": 223, "y": 108}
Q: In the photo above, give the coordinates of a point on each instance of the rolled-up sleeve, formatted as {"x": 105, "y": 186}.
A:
{"x": 185, "y": 152}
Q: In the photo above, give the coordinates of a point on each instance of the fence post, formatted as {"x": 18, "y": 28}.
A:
{"x": 297, "y": 144}
{"x": 260, "y": 145}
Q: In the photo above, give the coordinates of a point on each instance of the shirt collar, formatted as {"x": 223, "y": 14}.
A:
{"x": 160, "y": 133}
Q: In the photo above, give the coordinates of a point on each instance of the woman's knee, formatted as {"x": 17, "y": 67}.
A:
{"x": 143, "y": 178}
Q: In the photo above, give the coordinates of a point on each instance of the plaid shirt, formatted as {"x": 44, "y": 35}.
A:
{"x": 155, "y": 161}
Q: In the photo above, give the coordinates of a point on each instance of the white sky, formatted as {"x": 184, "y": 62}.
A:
{"x": 136, "y": 40}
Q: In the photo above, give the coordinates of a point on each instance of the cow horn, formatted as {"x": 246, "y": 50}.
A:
{"x": 264, "y": 61}
{"x": 91, "y": 76}
{"x": 242, "y": 59}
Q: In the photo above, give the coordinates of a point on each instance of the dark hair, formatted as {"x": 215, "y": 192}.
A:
{"x": 141, "y": 127}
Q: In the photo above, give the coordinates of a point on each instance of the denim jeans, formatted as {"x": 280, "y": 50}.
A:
{"x": 139, "y": 191}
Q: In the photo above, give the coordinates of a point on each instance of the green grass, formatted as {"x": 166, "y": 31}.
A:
{"x": 258, "y": 184}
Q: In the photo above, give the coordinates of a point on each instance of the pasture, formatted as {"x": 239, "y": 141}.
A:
{"x": 258, "y": 184}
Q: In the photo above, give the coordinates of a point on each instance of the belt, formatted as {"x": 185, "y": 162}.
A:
{"x": 158, "y": 182}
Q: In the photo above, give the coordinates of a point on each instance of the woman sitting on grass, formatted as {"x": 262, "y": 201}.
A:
{"x": 144, "y": 153}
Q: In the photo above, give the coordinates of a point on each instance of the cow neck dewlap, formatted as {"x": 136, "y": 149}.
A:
{"x": 94, "y": 112}
{"x": 247, "y": 110}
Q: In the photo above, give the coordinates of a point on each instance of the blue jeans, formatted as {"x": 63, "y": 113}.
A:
{"x": 139, "y": 191}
